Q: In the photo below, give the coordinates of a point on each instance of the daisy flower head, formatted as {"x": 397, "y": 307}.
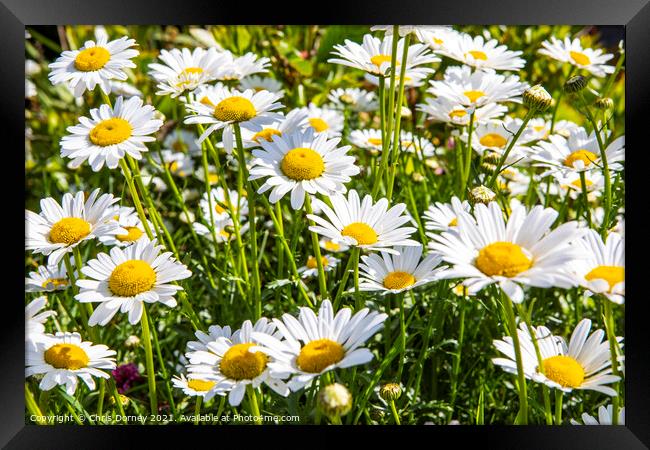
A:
{"x": 485, "y": 249}
{"x": 310, "y": 269}
{"x": 571, "y": 182}
{"x": 48, "y": 279}
{"x": 182, "y": 141}
{"x": 220, "y": 107}
{"x": 369, "y": 139}
{"x": 358, "y": 100}
{"x": 478, "y": 88}
{"x": 258, "y": 83}
{"x": 63, "y": 359}
{"x": 239, "y": 67}
{"x": 59, "y": 228}
{"x": 439, "y": 38}
{"x": 128, "y": 219}
{"x": 603, "y": 271}
{"x": 126, "y": 278}
{"x": 124, "y": 89}
{"x": 583, "y": 364}
{"x": 579, "y": 152}
{"x": 184, "y": 70}
{"x": 232, "y": 362}
{"x": 193, "y": 387}
{"x": 391, "y": 274}
{"x": 35, "y": 320}
{"x": 324, "y": 120}
{"x": 179, "y": 164}
{"x": 540, "y": 129}
{"x": 411, "y": 143}
{"x": 374, "y": 55}
{"x": 495, "y": 136}
{"x": 413, "y": 77}
{"x": 364, "y": 224}
{"x": 213, "y": 175}
{"x": 222, "y": 204}
{"x": 302, "y": 162}
{"x": 331, "y": 246}
{"x": 444, "y": 216}
{"x": 223, "y": 227}
{"x": 110, "y": 133}
{"x": 477, "y": 52}
{"x": 572, "y": 52}
{"x": 605, "y": 415}
{"x": 447, "y": 110}
{"x": 314, "y": 344}
{"x": 95, "y": 63}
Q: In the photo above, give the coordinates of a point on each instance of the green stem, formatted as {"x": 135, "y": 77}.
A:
{"x": 394, "y": 412}
{"x": 344, "y": 281}
{"x": 585, "y": 200}
{"x": 512, "y": 324}
{"x": 511, "y": 144}
{"x": 356, "y": 252}
{"x": 255, "y": 410}
{"x": 559, "y": 100}
{"x": 558, "y": 407}
{"x": 136, "y": 198}
{"x": 31, "y": 405}
{"x": 402, "y": 338}
{"x": 467, "y": 165}
{"x": 322, "y": 282}
{"x": 613, "y": 351}
{"x": 151, "y": 374}
{"x": 197, "y": 409}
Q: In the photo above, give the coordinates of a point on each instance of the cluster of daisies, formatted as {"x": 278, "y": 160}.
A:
{"x": 308, "y": 156}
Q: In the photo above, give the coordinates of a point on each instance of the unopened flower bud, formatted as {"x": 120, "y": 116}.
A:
{"x": 537, "y": 99}
{"x": 390, "y": 391}
{"x": 604, "y": 103}
{"x": 488, "y": 167}
{"x": 491, "y": 157}
{"x": 575, "y": 84}
{"x": 346, "y": 99}
{"x": 132, "y": 341}
{"x": 334, "y": 400}
{"x": 481, "y": 194}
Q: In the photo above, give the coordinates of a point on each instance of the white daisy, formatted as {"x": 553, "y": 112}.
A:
{"x": 47, "y": 279}
{"x": 184, "y": 141}
{"x": 194, "y": 387}
{"x": 213, "y": 176}
{"x": 571, "y": 51}
{"x": 223, "y": 228}
{"x": 513, "y": 182}
{"x": 404, "y": 30}
{"x": 369, "y": 139}
{"x": 60, "y": 228}
{"x": 63, "y": 359}
{"x": 331, "y": 246}
{"x": 324, "y": 120}
{"x": 258, "y": 83}
{"x": 30, "y": 89}
{"x": 603, "y": 272}
{"x": 315, "y": 344}
{"x": 110, "y": 134}
{"x": 358, "y": 100}
{"x": 34, "y": 320}
{"x": 481, "y": 54}
{"x": 439, "y": 39}
{"x": 124, "y": 89}
{"x": 364, "y": 224}
{"x": 128, "y": 219}
{"x": 478, "y": 88}
{"x": 484, "y": 249}
{"x": 577, "y": 153}
{"x": 605, "y": 415}
{"x": 220, "y": 107}
{"x": 96, "y": 63}
{"x": 374, "y": 55}
{"x": 302, "y": 162}
{"x": 127, "y": 278}
{"x": 570, "y": 181}
{"x": 234, "y": 361}
{"x": 540, "y": 129}
{"x": 179, "y": 163}
{"x": 413, "y": 77}
{"x": 583, "y": 364}
{"x": 495, "y": 136}
{"x": 222, "y": 204}
{"x": 444, "y": 216}
{"x": 310, "y": 269}
{"x": 443, "y": 109}
{"x": 397, "y": 273}
{"x": 421, "y": 147}
{"x": 237, "y": 68}
{"x": 185, "y": 70}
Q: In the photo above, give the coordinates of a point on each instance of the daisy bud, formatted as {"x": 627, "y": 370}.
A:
{"x": 537, "y": 99}
{"x": 132, "y": 341}
{"x": 346, "y": 99}
{"x": 390, "y": 391}
{"x": 575, "y": 84}
{"x": 604, "y": 103}
{"x": 334, "y": 400}
{"x": 492, "y": 157}
{"x": 481, "y": 194}
{"x": 488, "y": 167}
{"x": 377, "y": 414}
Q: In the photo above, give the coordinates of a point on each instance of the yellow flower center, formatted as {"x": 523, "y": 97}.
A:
{"x": 374, "y": 141}
{"x": 200, "y": 385}
{"x": 312, "y": 262}
{"x": 66, "y": 356}
{"x": 318, "y": 124}
{"x": 110, "y": 132}
{"x": 333, "y": 246}
{"x": 493, "y": 140}
{"x": 235, "y": 109}
{"x": 474, "y": 95}
{"x": 502, "y": 258}
{"x": 612, "y": 274}
{"x": 460, "y": 290}
{"x": 213, "y": 178}
{"x": 206, "y": 101}
{"x": 361, "y": 232}
{"x": 192, "y": 70}
{"x": 578, "y": 184}
{"x": 477, "y": 54}
{"x": 564, "y": 370}
{"x": 378, "y": 60}
{"x": 398, "y": 280}
{"x": 131, "y": 278}
{"x": 93, "y": 58}
{"x": 583, "y": 155}
{"x": 580, "y": 58}
{"x": 457, "y": 113}
{"x": 266, "y": 134}
{"x": 438, "y": 41}
{"x": 453, "y": 223}
{"x": 302, "y": 164}
{"x": 54, "y": 283}
{"x": 319, "y": 354}
{"x": 69, "y": 230}
{"x": 133, "y": 234}
{"x": 240, "y": 364}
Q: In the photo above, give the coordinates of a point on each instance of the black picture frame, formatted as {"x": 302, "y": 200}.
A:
{"x": 634, "y": 15}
